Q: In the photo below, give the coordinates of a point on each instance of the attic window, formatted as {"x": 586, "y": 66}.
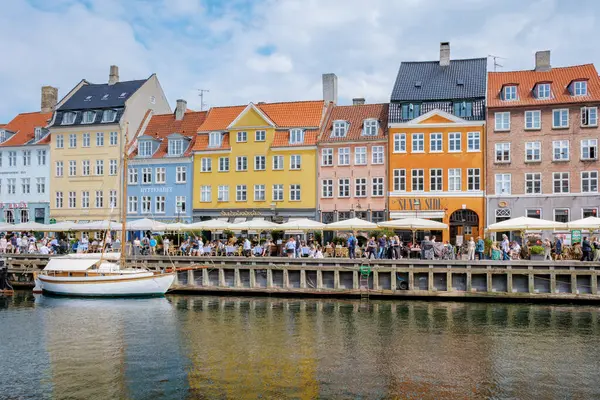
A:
{"x": 145, "y": 148}
{"x": 460, "y": 82}
{"x": 214, "y": 139}
{"x": 88, "y": 117}
{"x": 68, "y": 118}
{"x": 2, "y": 135}
{"x": 105, "y": 97}
{"x": 418, "y": 84}
{"x": 122, "y": 95}
{"x": 510, "y": 93}
{"x": 109, "y": 116}
{"x": 463, "y": 109}
{"x": 543, "y": 91}
{"x": 580, "y": 88}
{"x": 296, "y": 136}
{"x": 370, "y": 127}
{"x": 37, "y": 133}
{"x": 175, "y": 147}
{"x": 88, "y": 98}
{"x": 339, "y": 129}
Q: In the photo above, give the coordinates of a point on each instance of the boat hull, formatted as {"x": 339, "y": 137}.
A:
{"x": 130, "y": 285}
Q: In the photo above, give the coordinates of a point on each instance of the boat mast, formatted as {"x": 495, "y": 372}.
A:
{"x": 124, "y": 200}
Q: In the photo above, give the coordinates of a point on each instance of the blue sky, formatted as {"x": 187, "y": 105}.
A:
{"x": 272, "y": 50}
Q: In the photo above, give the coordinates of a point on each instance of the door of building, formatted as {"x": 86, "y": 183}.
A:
{"x": 463, "y": 225}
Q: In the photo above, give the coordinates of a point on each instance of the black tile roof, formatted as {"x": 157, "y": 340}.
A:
{"x": 422, "y": 81}
{"x": 58, "y": 116}
{"x": 90, "y": 96}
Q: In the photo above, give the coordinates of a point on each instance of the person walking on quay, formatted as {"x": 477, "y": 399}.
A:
{"x": 471, "y": 249}
{"x": 480, "y": 248}
{"x": 547, "y": 249}
{"x": 558, "y": 248}
{"x": 505, "y": 246}
{"x": 351, "y": 246}
{"x": 586, "y": 249}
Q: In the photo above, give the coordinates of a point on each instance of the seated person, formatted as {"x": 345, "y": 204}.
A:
{"x": 258, "y": 251}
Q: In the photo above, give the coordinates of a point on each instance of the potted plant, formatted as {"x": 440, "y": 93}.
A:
{"x": 536, "y": 253}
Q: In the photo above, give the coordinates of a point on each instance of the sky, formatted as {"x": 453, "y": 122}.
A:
{"x": 272, "y": 50}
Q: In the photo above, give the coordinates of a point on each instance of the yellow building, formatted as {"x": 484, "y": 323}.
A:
{"x": 258, "y": 161}
{"x": 87, "y": 133}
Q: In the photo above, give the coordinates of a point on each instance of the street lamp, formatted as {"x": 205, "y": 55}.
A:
{"x": 178, "y": 211}
{"x": 417, "y": 205}
{"x": 273, "y": 209}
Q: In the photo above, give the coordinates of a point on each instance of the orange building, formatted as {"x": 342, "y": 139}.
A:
{"x": 436, "y": 144}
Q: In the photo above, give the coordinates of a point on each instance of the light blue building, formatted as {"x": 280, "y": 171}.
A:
{"x": 159, "y": 176}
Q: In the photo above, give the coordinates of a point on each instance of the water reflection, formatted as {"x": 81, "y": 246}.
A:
{"x": 225, "y": 347}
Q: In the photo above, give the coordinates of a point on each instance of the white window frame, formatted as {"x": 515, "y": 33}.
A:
{"x": 563, "y": 118}
{"x": 215, "y": 139}
{"x": 327, "y": 188}
{"x": 580, "y": 88}
{"x": 295, "y": 192}
{"x": 86, "y": 120}
{"x": 241, "y": 163}
{"x": 223, "y": 193}
{"x": 502, "y": 121}
{"x": 474, "y": 176}
{"x": 558, "y": 144}
{"x": 296, "y": 136}
{"x": 399, "y": 142}
{"x": 591, "y": 117}
{"x": 360, "y": 187}
{"x": 360, "y": 156}
{"x": 109, "y": 116}
{"x": 260, "y": 136}
{"x": 473, "y": 142}
{"x": 510, "y": 93}
{"x": 295, "y": 162}
{"x": 417, "y": 175}
{"x": 146, "y": 175}
{"x": 532, "y": 177}
{"x": 560, "y": 209}
{"x": 72, "y": 168}
{"x": 536, "y": 150}
{"x": 85, "y": 139}
{"x": 99, "y": 139}
{"x": 132, "y": 205}
{"x": 417, "y": 139}
{"x": 72, "y": 140}
{"x": 340, "y": 129}
{"x": 241, "y": 193}
{"x": 533, "y": 120}
{"x": 241, "y": 137}
{"x": 377, "y": 186}
{"x": 113, "y": 138}
{"x": 543, "y": 94}
{"x": 60, "y": 141}
{"x": 399, "y": 179}
{"x": 503, "y": 181}
{"x": 278, "y": 162}
{"x": 436, "y": 138}
{"x": 371, "y": 127}
{"x": 436, "y": 180}
{"x": 453, "y": 138}
{"x": 206, "y": 164}
{"x": 205, "y": 194}
{"x": 112, "y": 167}
{"x": 277, "y": 192}
{"x": 327, "y": 157}
{"x": 260, "y": 192}
{"x": 454, "y": 180}
{"x": 344, "y": 156}
{"x": 160, "y": 175}
{"x": 85, "y": 199}
{"x": 562, "y": 178}
{"x": 132, "y": 176}
{"x": 502, "y": 149}
{"x": 99, "y": 199}
{"x": 146, "y": 205}
{"x": 377, "y": 155}
{"x": 180, "y": 174}
{"x": 588, "y": 144}
{"x": 223, "y": 164}
{"x": 344, "y": 188}
{"x": 590, "y": 180}
{"x": 260, "y": 163}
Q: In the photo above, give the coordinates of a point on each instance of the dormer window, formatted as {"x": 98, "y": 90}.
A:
{"x": 109, "y": 116}
{"x": 37, "y": 133}
{"x": 175, "y": 147}
{"x": 410, "y": 111}
{"x": 339, "y": 128}
{"x": 68, "y": 118}
{"x": 105, "y": 97}
{"x": 214, "y": 139}
{"x": 371, "y": 126}
{"x": 510, "y": 93}
{"x": 580, "y": 88}
{"x": 463, "y": 109}
{"x": 2, "y": 135}
{"x": 88, "y": 117}
{"x": 296, "y": 136}
{"x": 145, "y": 148}
{"x": 543, "y": 91}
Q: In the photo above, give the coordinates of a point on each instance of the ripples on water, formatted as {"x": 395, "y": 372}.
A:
{"x": 238, "y": 348}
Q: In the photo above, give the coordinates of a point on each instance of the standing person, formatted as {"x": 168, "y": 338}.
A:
{"x": 290, "y": 248}
{"x": 558, "y": 248}
{"x": 372, "y": 248}
{"x": 480, "y": 248}
{"x": 586, "y": 249}
{"x": 84, "y": 244}
{"x": 547, "y": 249}
{"x": 596, "y": 249}
{"x": 351, "y": 246}
{"x": 153, "y": 244}
{"x": 24, "y": 244}
{"x": 382, "y": 242}
{"x": 166, "y": 243}
{"x": 3, "y": 244}
{"x": 471, "y": 249}
{"x": 136, "y": 246}
{"x": 247, "y": 247}
{"x": 505, "y": 246}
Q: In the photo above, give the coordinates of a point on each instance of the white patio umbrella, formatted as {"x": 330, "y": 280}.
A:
{"x": 353, "y": 224}
{"x": 413, "y": 224}
{"x": 6, "y": 227}
{"x": 29, "y": 227}
{"x": 209, "y": 225}
{"x": 98, "y": 226}
{"x": 526, "y": 224}
{"x": 303, "y": 224}
{"x": 589, "y": 223}
{"x": 63, "y": 226}
{"x": 146, "y": 224}
{"x": 255, "y": 225}
{"x": 176, "y": 227}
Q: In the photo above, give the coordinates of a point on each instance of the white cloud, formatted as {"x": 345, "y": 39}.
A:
{"x": 271, "y": 63}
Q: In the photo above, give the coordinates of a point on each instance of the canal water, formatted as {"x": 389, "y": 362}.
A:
{"x": 188, "y": 347}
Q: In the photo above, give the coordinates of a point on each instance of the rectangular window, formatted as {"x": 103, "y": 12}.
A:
{"x": 339, "y": 129}
{"x": 160, "y": 175}
{"x": 296, "y": 136}
{"x": 12, "y": 158}
{"x": 112, "y": 167}
{"x": 180, "y": 175}
{"x": 327, "y": 188}
{"x": 223, "y": 193}
{"x": 560, "y": 150}
{"x": 533, "y": 119}
{"x": 99, "y": 199}
{"x": 502, "y": 121}
{"x": 454, "y": 142}
{"x": 85, "y": 199}
{"x": 242, "y": 137}
{"x": 473, "y": 141}
{"x": 240, "y": 193}
{"x": 377, "y": 187}
{"x": 205, "y": 193}
{"x": 344, "y": 156}
{"x": 503, "y": 184}
{"x": 59, "y": 199}
{"x": 175, "y": 147}
{"x": 259, "y": 193}
{"x": 114, "y": 138}
{"x": 561, "y": 215}
{"x": 400, "y": 143}
{"x": 400, "y": 180}
{"x": 360, "y": 187}
{"x": 473, "y": 179}
{"x": 454, "y": 180}
{"x": 580, "y": 88}
{"x": 543, "y": 91}
{"x": 411, "y": 110}
{"x": 589, "y": 149}
{"x": 72, "y": 140}
{"x": 241, "y": 163}
{"x": 86, "y": 140}
{"x": 59, "y": 168}
{"x": 418, "y": 142}
{"x": 295, "y": 161}
{"x": 180, "y": 204}
{"x": 278, "y": 192}
{"x": 99, "y": 139}
{"x": 260, "y": 136}
{"x": 206, "y": 164}
{"x": 41, "y": 157}
{"x": 344, "y": 187}
{"x": 112, "y": 198}
{"x": 26, "y": 158}
{"x": 60, "y": 141}
{"x": 533, "y": 151}
{"x": 145, "y": 148}
{"x": 510, "y": 93}
{"x": 41, "y": 185}
{"x": 85, "y": 167}
{"x": 436, "y": 180}
{"x": 132, "y": 176}
{"x": 326, "y": 157}
{"x": 12, "y": 185}
{"x": 560, "y": 118}
{"x": 25, "y": 185}
{"x": 463, "y": 109}
{"x": 371, "y": 127}
{"x": 502, "y": 152}
{"x": 214, "y": 139}
{"x": 146, "y": 204}
{"x": 99, "y": 167}
{"x": 436, "y": 143}
{"x": 377, "y": 155}
{"x": 589, "y": 182}
{"x": 418, "y": 180}
{"x": 260, "y": 163}
{"x": 589, "y": 116}
{"x": 223, "y": 164}
{"x": 360, "y": 156}
{"x": 533, "y": 213}
{"x": 132, "y": 204}
{"x": 277, "y": 163}
{"x": 589, "y": 212}
{"x": 533, "y": 183}
{"x": 294, "y": 192}
{"x": 560, "y": 182}
{"x": 72, "y": 168}
{"x": 146, "y": 176}
{"x": 72, "y": 200}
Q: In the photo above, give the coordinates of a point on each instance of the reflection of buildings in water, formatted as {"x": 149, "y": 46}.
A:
{"x": 248, "y": 348}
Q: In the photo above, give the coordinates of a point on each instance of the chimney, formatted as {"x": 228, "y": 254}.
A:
{"x": 358, "y": 101}
{"x": 113, "y": 77}
{"x": 49, "y": 99}
{"x": 444, "y": 54}
{"x": 330, "y": 88}
{"x": 180, "y": 109}
{"x": 542, "y": 61}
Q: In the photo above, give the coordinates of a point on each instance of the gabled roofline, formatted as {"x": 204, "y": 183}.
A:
{"x": 437, "y": 112}
{"x": 249, "y": 107}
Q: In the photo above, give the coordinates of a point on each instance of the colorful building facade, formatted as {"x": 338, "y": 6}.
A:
{"x": 159, "y": 174}
{"x": 352, "y": 174}
{"x": 436, "y": 144}
{"x": 542, "y": 157}
{"x": 88, "y": 132}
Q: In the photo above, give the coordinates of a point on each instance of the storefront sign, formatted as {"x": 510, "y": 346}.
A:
{"x": 575, "y": 236}
{"x": 418, "y": 204}
{"x": 502, "y": 204}
{"x": 12, "y": 206}
{"x": 240, "y": 213}
{"x": 162, "y": 189}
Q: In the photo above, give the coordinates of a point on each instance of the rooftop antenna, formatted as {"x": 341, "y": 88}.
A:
{"x": 202, "y": 104}
{"x": 495, "y": 58}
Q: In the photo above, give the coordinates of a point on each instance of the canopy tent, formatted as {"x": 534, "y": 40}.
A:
{"x": 209, "y": 225}
{"x": 6, "y": 227}
{"x": 353, "y": 224}
{"x": 589, "y": 223}
{"x": 303, "y": 224}
{"x": 29, "y": 227}
{"x": 176, "y": 227}
{"x": 98, "y": 226}
{"x": 526, "y": 224}
{"x": 255, "y": 225}
{"x": 61, "y": 226}
{"x": 146, "y": 224}
{"x": 413, "y": 224}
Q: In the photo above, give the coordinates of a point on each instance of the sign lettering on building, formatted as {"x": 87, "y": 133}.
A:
{"x": 156, "y": 190}
{"x": 241, "y": 213}
{"x": 11, "y": 206}
{"x": 424, "y": 204}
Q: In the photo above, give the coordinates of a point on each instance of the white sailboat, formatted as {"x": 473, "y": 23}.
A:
{"x": 103, "y": 274}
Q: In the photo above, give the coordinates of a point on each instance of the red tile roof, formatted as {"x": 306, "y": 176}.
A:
{"x": 201, "y": 143}
{"x": 559, "y": 78}
{"x": 282, "y": 139}
{"x": 24, "y": 127}
{"x": 296, "y": 114}
{"x": 219, "y": 118}
{"x": 355, "y": 115}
